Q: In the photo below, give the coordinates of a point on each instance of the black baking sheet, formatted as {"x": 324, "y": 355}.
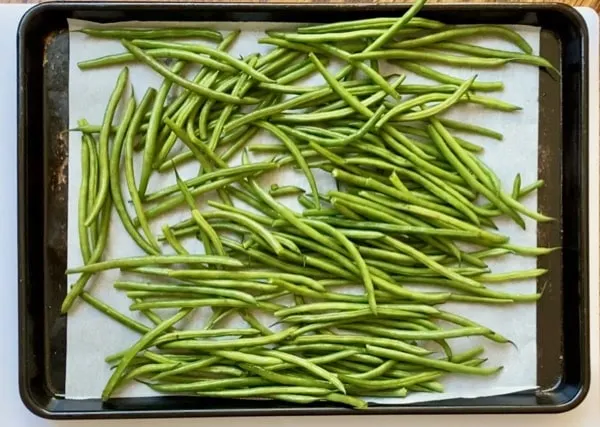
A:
{"x": 563, "y": 366}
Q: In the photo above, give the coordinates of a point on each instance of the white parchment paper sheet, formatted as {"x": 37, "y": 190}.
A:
{"x": 91, "y": 336}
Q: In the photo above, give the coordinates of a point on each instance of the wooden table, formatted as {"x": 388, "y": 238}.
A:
{"x": 591, "y": 3}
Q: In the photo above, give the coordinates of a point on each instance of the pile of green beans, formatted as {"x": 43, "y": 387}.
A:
{"x": 326, "y": 293}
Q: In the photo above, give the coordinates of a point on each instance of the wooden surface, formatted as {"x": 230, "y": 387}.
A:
{"x": 591, "y": 3}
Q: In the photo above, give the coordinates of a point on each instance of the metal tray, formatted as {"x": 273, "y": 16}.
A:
{"x": 562, "y": 316}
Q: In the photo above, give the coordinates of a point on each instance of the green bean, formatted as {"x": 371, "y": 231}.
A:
{"x": 393, "y": 256}
{"x": 261, "y": 219}
{"x": 465, "y": 31}
{"x": 79, "y": 286}
{"x": 362, "y": 340}
{"x": 153, "y": 125}
{"x": 181, "y": 55}
{"x": 467, "y": 127}
{"x": 238, "y": 356}
{"x": 369, "y": 23}
{"x": 209, "y": 345}
{"x": 203, "y": 385}
{"x": 432, "y": 363}
{"x": 307, "y": 365}
{"x": 115, "y": 188}
{"x": 191, "y": 86}
{"x": 481, "y": 290}
{"x": 280, "y": 64}
{"x": 266, "y": 391}
{"x": 132, "y": 262}
{"x": 138, "y": 346}
{"x": 523, "y": 250}
{"x": 375, "y": 372}
{"x": 252, "y": 321}
{"x": 318, "y": 360}
{"x": 277, "y": 378}
{"x": 171, "y": 238}
{"x": 114, "y": 314}
{"x": 513, "y": 275}
{"x": 439, "y": 189}
{"x": 288, "y": 215}
{"x": 205, "y": 227}
{"x": 382, "y": 213}
{"x": 129, "y": 172}
{"x": 420, "y": 115}
{"x": 92, "y": 186}
{"x": 285, "y": 190}
{"x": 444, "y": 141}
{"x": 274, "y": 109}
{"x": 321, "y": 348}
{"x": 422, "y": 89}
{"x": 177, "y": 200}
{"x": 419, "y": 271}
{"x": 303, "y": 70}
{"x": 462, "y": 321}
{"x": 152, "y": 33}
{"x": 187, "y": 367}
{"x": 245, "y": 275}
{"x": 239, "y": 144}
{"x": 104, "y": 179}
{"x": 219, "y": 315}
{"x": 187, "y": 303}
{"x": 238, "y": 90}
{"x": 349, "y": 315}
{"x": 391, "y": 191}
{"x": 385, "y": 384}
{"x": 201, "y": 290}
{"x": 353, "y": 269}
{"x": 480, "y": 300}
{"x": 353, "y": 252}
{"x": 335, "y": 52}
{"x": 174, "y": 108}
{"x": 350, "y": 99}
{"x": 337, "y": 114}
{"x": 83, "y": 199}
{"x": 296, "y": 153}
{"x": 254, "y": 226}
{"x": 332, "y": 37}
{"x": 429, "y": 213}
{"x": 430, "y": 56}
{"x": 439, "y": 268}
{"x": 391, "y": 32}
{"x": 326, "y": 306}
{"x": 144, "y": 370}
{"x": 416, "y": 335}
{"x": 205, "y": 50}
{"x": 432, "y": 74}
{"x": 496, "y": 53}
{"x": 205, "y": 333}
{"x": 298, "y": 290}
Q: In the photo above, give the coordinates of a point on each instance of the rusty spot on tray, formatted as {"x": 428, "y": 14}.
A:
{"x": 60, "y": 171}
{"x": 48, "y": 40}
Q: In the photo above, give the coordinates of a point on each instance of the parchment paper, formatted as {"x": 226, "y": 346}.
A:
{"x": 91, "y": 336}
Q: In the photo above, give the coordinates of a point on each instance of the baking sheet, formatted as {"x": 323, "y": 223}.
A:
{"x": 91, "y": 336}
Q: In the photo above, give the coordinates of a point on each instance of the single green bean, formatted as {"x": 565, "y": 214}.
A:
{"x": 152, "y": 33}
{"x": 432, "y": 74}
{"x": 104, "y": 156}
{"x": 132, "y": 262}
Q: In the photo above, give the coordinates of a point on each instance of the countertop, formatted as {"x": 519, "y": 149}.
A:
{"x": 13, "y": 412}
